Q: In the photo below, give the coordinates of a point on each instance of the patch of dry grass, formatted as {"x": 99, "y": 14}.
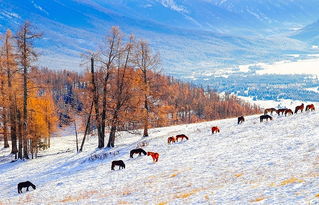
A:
{"x": 257, "y": 199}
{"x": 79, "y": 197}
{"x": 238, "y": 175}
{"x": 291, "y": 181}
{"x": 162, "y": 203}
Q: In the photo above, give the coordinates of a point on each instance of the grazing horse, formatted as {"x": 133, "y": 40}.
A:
{"x": 271, "y": 110}
{"x": 282, "y": 111}
{"x": 310, "y": 107}
{"x": 154, "y": 155}
{"x": 288, "y": 112}
{"x": 119, "y": 163}
{"x": 265, "y": 117}
{"x": 138, "y": 151}
{"x": 215, "y": 130}
{"x": 171, "y": 140}
{"x": 300, "y": 107}
{"x": 182, "y": 136}
{"x": 26, "y": 184}
{"x": 241, "y": 119}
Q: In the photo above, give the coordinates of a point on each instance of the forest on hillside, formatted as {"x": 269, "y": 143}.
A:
{"x": 120, "y": 88}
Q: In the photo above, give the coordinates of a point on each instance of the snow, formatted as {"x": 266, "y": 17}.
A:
{"x": 273, "y": 162}
{"x": 280, "y": 103}
{"x": 309, "y": 66}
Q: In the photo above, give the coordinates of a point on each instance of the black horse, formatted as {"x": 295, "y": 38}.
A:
{"x": 119, "y": 163}
{"x": 241, "y": 119}
{"x": 265, "y": 117}
{"x": 26, "y": 184}
{"x": 138, "y": 151}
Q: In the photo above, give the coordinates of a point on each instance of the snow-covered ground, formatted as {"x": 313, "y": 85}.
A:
{"x": 275, "y": 162}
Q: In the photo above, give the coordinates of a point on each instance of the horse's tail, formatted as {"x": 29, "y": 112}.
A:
{"x": 186, "y": 137}
{"x": 131, "y": 154}
{"x": 144, "y": 152}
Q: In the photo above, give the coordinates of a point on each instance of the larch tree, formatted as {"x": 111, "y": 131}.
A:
{"x": 26, "y": 56}
{"x": 108, "y": 53}
{"x": 145, "y": 61}
{"x": 10, "y": 76}
{"x": 122, "y": 85}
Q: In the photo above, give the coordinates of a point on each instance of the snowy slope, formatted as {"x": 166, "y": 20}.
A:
{"x": 271, "y": 163}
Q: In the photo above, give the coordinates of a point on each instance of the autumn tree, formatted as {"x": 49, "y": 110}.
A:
{"x": 9, "y": 71}
{"x": 145, "y": 61}
{"x": 122, "y": 85}
{"x": 26, "y": 55}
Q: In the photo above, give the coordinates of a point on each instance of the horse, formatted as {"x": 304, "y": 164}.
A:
{"x": 265, "y": 117}
{"x": 119, "y": 163}
{"x": 300, "y": 107}
{"x": 215, "y": 130}
{"x": 25, "y": 184}
{"x": 310, "y": 107}
{"x": 171, "y": 140}
{"x": 271, "y": 110}
{"x": 182, "y": 136}
{"x": 241, "y": 119}
{"x": 288, "y": 112}
{"x": 154, "y": 155}
{"x": 138, "y": 151}
{"x": 282, "y": 111}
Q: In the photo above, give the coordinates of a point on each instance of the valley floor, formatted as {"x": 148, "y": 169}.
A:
{"x": 275, "y": 162}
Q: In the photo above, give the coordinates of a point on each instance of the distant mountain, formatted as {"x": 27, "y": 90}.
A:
{"x": 190, "y": 34}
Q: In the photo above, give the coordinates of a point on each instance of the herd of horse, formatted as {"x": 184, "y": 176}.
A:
{"x": 266, "y": 116}
{"x": 140, "y": 151}
{"x": 215, "y": 129}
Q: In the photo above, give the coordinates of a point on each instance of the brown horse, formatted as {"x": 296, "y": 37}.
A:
{"x": 310, "y": 107}
{"x": 271, "y": 110}
{"x": 300, "y": 107}
{"x": 282, "y": 111}
{"x": 241, "y": 119}
{"x": 171, "y": 140}
{"x": 181, "y": 136}
{"x": 288, "y": 112}
{"x": 154, "y": 155}
{"x": 265, "y": 117}
{"x": 215, "y": 130}
{"x": 119, "y": 163}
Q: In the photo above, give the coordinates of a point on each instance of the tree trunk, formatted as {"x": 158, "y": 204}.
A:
{"x": 76, "y": 137}
{"x": 13, "y": 130}
{"x": 20, "y": 134}
{"x": 113, "y": 130}
{"x": 25, "y": 110}
{"x": 112, "y": 136}
{"x": 96, "y": 106}
{"x": 145, "y": 133}
{"x": 86, "y": 128}
{"x": 5, "y": 130}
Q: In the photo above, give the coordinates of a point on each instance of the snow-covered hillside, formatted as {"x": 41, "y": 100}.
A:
{"x": 275, "y": 162}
